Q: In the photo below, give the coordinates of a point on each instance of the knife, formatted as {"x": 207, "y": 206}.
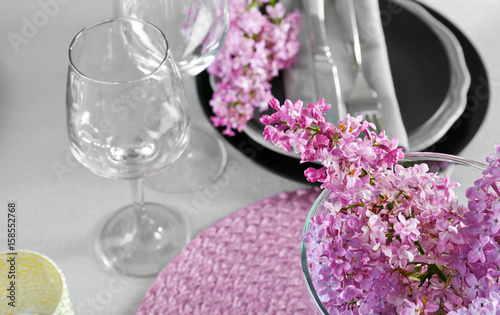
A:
{"x": 325, "y": 72}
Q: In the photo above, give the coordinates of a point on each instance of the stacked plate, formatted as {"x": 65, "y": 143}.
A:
{"x": 440, "y": 82}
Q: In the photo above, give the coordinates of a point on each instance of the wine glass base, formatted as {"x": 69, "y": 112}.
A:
{"x": 142, "y": 247}
{"x": 201, "y": 164}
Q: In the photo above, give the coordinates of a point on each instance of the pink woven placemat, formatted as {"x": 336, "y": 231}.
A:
{"x": 246, "y": 263}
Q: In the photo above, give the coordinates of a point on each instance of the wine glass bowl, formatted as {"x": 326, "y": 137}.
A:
{"x": 127, "y": 117}
{"x": 195, "y": 29}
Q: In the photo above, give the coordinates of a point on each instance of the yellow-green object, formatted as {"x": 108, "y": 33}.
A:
{"x": 31, "y": 283}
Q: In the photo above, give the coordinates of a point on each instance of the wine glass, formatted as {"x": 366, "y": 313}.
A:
{"x": 128, "y": 117}
{"x": 196, "y": 30}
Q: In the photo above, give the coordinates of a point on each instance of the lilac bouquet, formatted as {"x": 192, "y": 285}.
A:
{"x": 256, "y": 48}
{"x": 395, "y": 240}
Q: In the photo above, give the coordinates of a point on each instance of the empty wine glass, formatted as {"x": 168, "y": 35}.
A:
{"x": 196, "y": 30}
{"x": 127, "y": 117}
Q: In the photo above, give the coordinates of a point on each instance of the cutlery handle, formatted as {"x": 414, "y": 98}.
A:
{"x": 325, "y": 72}
{"x": 316, "y": 12}
{"x": 355, "y": 34}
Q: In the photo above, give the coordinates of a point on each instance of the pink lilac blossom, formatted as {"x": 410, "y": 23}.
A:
{"x": 256, "y": 48}
{"x": 394, "y": 239}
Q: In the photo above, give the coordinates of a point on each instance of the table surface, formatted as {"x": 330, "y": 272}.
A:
{"x": 61, "y": 205}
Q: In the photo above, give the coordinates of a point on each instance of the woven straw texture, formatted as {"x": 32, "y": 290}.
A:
{"x": 247, "y": 263}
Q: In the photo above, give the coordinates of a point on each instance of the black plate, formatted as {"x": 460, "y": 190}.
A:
{"x": 453, "y": 142}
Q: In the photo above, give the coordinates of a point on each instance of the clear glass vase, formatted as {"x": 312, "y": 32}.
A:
{"x": 460, "y": 170}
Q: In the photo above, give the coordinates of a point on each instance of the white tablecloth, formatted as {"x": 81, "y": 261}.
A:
{"x": 61, "y": 205}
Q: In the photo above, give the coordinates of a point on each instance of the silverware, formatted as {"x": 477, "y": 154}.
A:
{"x": 362, "y": 99}
{"x": 325, "y": 72}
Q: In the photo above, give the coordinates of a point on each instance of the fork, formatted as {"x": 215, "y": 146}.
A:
{"x": 362, "y": 99}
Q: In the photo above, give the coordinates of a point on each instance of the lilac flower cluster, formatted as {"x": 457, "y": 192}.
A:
{"x": 481, "y": 306}
{"x": 393, "y": 240}
{"x": 347, "y": 160}
{"x": 256, "y": 48}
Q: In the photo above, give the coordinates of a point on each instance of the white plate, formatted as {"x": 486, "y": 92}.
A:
{"x": 440, "y": 116}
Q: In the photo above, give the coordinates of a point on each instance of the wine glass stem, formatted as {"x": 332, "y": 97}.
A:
{"x": 138, "y": 198}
